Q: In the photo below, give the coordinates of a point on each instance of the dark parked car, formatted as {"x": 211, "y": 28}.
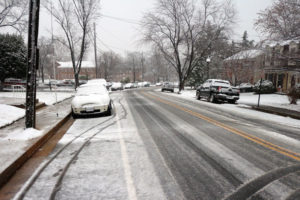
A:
{"x": 266, "y": 87}
{"x": 167, "y": 87}
{"x": 215, "y": 90}
{"x": 246, "y": 87}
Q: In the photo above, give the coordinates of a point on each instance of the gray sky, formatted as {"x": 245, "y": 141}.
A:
{"x": 120, "y": 36}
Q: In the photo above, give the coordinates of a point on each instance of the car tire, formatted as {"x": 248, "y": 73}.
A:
{"x": 162, "y": 90}
{"x": 212, "y": 98}
{"x": 198, "y": 96}
{"x": 172, "y": 91}
{"x": 109, "y": 110}
{"x": 232, "y": 101}
{"x": 74, "y": 115}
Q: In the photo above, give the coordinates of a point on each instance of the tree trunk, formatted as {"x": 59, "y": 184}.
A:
{"x": 76, "y": 76}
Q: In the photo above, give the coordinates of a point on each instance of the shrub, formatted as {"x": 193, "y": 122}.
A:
{"x": 294, "y": 94}
{"x": 267, "y": 87}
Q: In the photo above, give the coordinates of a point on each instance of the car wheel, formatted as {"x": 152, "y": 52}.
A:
{"x": 74, "y": 115}
{"x": 162, "y": 90}
{"x": 198, "y": 96}
{"x": 109, "y": 110}
{"x": 172, "y": 91}
{"x": 232, "y": 101}
{"x": 211, "y": 98}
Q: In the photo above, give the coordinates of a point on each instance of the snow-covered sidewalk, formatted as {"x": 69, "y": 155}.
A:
{"x": 15, "y": 139}
{"x": 48, "y": 98}
{"x": 10, "y": 114}
{"x": 243, "y": 106}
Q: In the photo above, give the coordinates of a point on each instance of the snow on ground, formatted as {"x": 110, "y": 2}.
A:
{"x": 242, "y": 109}
{"x": 49, "y": 98}
{"x": 275, "y": 100}
{"x": 27, "y": 134}
{"x": 9, "y": 114}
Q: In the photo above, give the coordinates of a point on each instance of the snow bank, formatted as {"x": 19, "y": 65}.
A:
{"x": 9, "y": 114}
{"x": 27, "y": 134}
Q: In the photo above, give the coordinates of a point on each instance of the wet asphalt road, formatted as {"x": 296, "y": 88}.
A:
{"x": 160, "y": 147}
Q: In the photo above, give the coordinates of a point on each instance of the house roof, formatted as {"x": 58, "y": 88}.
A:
{"x": 84, "y": 64}
{"x": 253, "y": 53}
{"x": 282, "y": 42}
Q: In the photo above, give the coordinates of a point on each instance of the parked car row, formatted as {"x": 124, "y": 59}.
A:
{"x": 91, "y": 98}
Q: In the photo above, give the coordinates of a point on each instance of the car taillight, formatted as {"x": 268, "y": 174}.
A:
{"x": 219, "y": 89}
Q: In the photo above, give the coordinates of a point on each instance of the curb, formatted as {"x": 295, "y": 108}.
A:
{"x": 10, "y": 171}
{"x": 295, "y": 116}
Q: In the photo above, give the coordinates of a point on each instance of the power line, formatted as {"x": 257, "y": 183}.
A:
{"x": 130, "y": 21}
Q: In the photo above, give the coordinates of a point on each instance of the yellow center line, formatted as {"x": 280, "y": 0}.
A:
{"x": 245, "y": 135}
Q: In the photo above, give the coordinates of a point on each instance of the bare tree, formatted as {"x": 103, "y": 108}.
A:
{"x": 281, "y": 20}
{"x": 109, "y": 60}
{"x": 75, "y": 18}
{"x": 12, "y": 14}
{"x": 177, "y": 27}
{"x": 46, "y": 51}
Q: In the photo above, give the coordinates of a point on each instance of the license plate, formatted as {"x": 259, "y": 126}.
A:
{"x": 89, "y": 109}
{"x": 230, "y": 97}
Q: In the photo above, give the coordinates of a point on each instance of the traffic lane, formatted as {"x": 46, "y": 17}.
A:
{"x": 277, "y": 134}
{"x": 187, "y": 130}
{"x": 286, "y": 130}
{"x": 264, "y": 159}
{"x": 193, "y": 174}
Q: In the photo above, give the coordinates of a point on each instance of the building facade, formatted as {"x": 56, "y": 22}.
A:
{"x": 244, "y": 67}
{"x": 64, "y": 70}
{"x": 282, "y": 64}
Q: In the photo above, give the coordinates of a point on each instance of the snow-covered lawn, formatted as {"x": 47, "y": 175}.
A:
{"x": 47, "y": 97}
{"x": 247, "y": 99}
{"x": 275, "y": 100}
{"x": 9, "y": 114}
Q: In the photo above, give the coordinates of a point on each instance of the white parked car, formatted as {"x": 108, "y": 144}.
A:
{"x": 99, "y": 81}
{"x": 91, "y": 100}
{"x": 116, "y": 86}
{"x": 128, "y": 86}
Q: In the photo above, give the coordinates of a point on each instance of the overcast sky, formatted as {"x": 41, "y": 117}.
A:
{"x": 121, "y": 37}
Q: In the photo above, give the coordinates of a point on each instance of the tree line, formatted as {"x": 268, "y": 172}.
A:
{"x": 182, "y": 33}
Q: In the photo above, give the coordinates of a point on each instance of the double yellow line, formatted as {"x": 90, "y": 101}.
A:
{"x": 247, "y": 136}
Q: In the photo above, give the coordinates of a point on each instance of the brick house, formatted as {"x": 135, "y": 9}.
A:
{"x": 282, "y": 63}
{"x": 64, "y": 70}
{"x": 244, "y": 67}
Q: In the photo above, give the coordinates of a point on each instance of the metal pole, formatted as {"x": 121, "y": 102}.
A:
{"x": 95, "y": 49}
{"x": 259, "y": 92}
{"x": 53, "y": 49}
{"x": 34, "y": 6}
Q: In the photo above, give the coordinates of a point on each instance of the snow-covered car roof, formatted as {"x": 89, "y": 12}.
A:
{"x": 118, "y": 84}
{"x": 95, "y": 89}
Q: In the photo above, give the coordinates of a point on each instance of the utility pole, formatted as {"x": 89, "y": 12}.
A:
{"x": 52, "y": 44}
{"x": 133, "y": 68}
{"x": 142, "y": 62}
{"x": 32, "y": 62}
{"x": 95, "y": 49}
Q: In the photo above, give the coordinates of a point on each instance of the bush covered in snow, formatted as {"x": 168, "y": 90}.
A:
{"x": 294, "y": 94}
{"x": 266, "y": 87}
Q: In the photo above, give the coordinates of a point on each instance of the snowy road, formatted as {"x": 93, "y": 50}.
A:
{"x": 161, "y": 147}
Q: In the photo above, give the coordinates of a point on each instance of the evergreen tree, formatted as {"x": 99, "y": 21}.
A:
{"x": 13, "y": 59}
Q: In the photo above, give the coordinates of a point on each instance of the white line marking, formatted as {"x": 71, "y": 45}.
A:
{"x": 127, "y": 170}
